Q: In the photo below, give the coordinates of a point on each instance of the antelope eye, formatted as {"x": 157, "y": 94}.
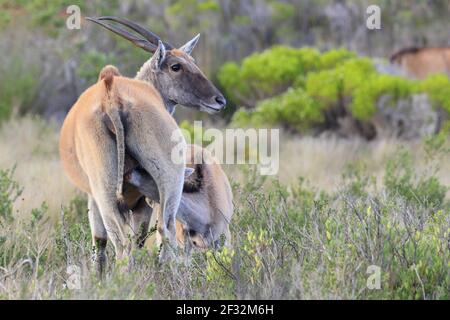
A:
{"x": 176, "y": 67}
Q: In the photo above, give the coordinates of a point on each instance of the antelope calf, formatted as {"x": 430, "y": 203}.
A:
{"x": 422, "y": 62}
{"x": 206, "y": 205}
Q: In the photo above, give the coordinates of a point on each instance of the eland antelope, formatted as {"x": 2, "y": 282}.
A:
{"x": 200, "y": 219}
{"x": 422, "y": 62}
{"x": 88, "y": 152}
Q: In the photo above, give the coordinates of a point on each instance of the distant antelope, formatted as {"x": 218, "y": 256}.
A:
{"x": 422, "y": 62}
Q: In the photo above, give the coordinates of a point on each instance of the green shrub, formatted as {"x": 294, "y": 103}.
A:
{"x": 294, "y": 108}
{"x": 366, "y": 95}
{"x": 438, "y": 89}
{"x": 294, "y": 88}
{"x": 18, "y": 88}
{"x": 9, "y": 192}
{"x": 401, "y": 180}
{"x": 91, "y": 63}
{"x": 266, "y": 74}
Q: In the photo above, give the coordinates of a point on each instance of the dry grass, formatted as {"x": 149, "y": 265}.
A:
{"x": 322, "y": 160}
{"x": 296, "y": 242}
{"x": 32, "y": 145}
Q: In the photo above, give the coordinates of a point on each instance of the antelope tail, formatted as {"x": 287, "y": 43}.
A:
{"x": 114, "y": 115}
{"x": 112, "y": 110}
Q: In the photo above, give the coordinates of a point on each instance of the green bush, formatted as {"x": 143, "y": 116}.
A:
{"x": 91, "y": 63}
{"x": 296, "y": 87}
{"x": 18, "y": 88}
{"x": 265, "y": 74}
{"x": 401, "y": 181}
{"x": 438, "y": 89}
{"x": 9, "y": 192}
{"x": 294, "y": 108}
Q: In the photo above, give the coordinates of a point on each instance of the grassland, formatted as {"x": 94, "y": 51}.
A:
{"x": 336, "y": 208}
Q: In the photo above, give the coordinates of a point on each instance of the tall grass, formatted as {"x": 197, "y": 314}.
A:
{"x": 338, "y": 208}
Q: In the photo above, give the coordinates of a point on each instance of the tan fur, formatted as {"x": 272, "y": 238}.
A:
{"x": 112, "y": 106}
{"x": 212, "y": 202}
{"x": 422, "y": 62}
{"x": 185, "y": 85}
{"x": 89, "y": 154}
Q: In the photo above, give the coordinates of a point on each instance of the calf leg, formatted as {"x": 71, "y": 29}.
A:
{"x": 140, "y": 220}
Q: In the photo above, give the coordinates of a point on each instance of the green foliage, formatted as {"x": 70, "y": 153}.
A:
{"x": 294, "y": 108}
{"x": 438, "y": 89}
{"x": 265, "y": 74}
{"x": 366, "y": 95}
{"x": 91, "y": 63}
{"x": 18, "y": 88}
{"x": 332, "y": 58}
{"x": 9, "y": 192}
{"x": 296, "y": 87}
{"x": 400, "y": 180}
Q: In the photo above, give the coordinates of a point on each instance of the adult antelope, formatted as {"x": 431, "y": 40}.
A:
{"x": 422, "y": 62}
{"x": 88, "y": 153}
{"x": 206, "y": 204}
{"x": 88, "y": 140}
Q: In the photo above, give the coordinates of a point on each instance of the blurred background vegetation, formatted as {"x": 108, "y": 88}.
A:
{"x": 304, "y": 65}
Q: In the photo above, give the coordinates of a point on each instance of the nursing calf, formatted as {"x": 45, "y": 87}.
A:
{"x": 206, "y": 205}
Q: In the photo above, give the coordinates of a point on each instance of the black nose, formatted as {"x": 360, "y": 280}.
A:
{"x": 221, "y": 100}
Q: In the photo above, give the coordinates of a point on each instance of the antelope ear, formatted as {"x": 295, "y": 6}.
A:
{"x": 188, "y": 171}
{"x": 159, "y": 56}
{"x": 190, "y": 45}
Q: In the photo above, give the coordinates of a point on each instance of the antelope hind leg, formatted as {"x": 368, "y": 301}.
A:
{"x": 99, "y": 237}
{"x": 98, "y": 157}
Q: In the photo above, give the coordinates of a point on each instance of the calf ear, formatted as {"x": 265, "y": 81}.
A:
{"x": 188, "y": 171}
